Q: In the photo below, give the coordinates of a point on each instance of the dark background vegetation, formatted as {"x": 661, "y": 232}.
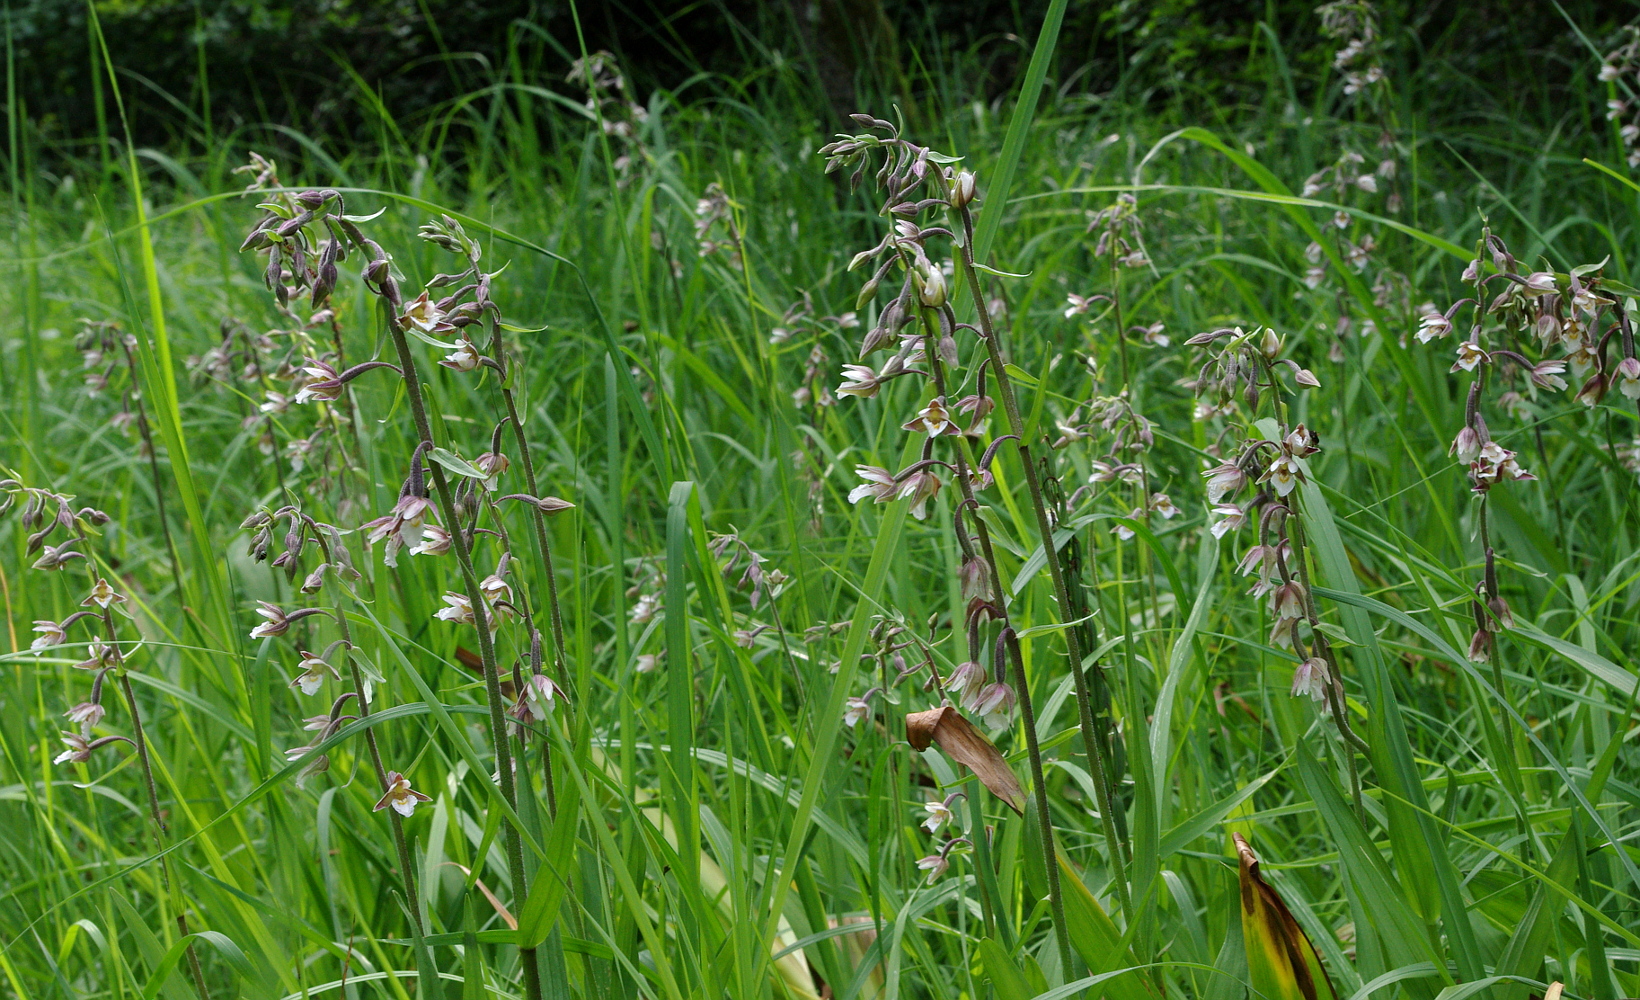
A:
{"x": 200, "y": 70}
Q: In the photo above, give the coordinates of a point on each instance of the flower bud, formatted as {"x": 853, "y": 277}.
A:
{"x": 975, "y": 578}
{"x": 257, "y": 240}
{"x": 930, "y": 284}
{"x": 867, "y": 291}
{"x": 315, "y": 581}
{"x": 325, "y": 283}
{"x": 962, "y": 189}
{"x": 260, "y": 543}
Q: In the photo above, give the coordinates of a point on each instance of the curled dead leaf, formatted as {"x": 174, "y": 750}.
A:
{"x": 1281, "y": 961}
{"x": 946, "y": 728}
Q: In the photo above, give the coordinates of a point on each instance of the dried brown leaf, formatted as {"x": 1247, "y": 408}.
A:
{"x": 946, "y": 728}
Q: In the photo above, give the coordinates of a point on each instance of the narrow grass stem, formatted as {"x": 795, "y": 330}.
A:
{"x": 167, "y": 882}
{"x": 1116, "y": 314}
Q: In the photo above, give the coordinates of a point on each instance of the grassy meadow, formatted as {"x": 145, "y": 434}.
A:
{"x": 463, "y": 565}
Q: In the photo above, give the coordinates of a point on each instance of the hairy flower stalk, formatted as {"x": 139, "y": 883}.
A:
{"x": 1118, "y": 243}
{"x": 449, "y": 234}
{"x": 379, "y": 272}
{"x": 1248, "y": 366}
{"x": 483, "y": 602}
{"x": 991, "y": 582}
{"x": 1016, "y": 426}
{"x": 1564, "y": 311}
{"x": 924, "y": 295}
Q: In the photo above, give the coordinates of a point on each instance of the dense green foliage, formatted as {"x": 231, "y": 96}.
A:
{"x": 197, "y": 75}
{"x": 695, "y": 816}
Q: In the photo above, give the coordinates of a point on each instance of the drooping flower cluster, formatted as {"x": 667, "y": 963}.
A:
{"x": 109, "y": 355}
{"x": 1245, "y": 370}
{"x": 622, "y": 118}
{"x": 1621, "y": 69}
{"x": 1514, "y": 310}
{"x": 305, "y": 236}
{"x": 1566, "y": 312}
{"x": 44, "y": 513}
{"x": 715, "y": 215}
{"x": 1354, "y": 24}
{"x": 925, "y": 199}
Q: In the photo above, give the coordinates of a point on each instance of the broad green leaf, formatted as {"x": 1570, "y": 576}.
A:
{"x": 1005, "y": 976}
{"x": 1096, "y": 939}
{"x": 455, "y": 463}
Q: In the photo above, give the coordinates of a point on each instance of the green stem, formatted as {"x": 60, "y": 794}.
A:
{"x": 535, "y": 648}
{"x": 555, "y": 615}
{"x": 141, "y": 741}
{"x": 1050, "y": 860}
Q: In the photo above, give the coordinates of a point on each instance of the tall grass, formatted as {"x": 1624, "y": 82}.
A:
{"x": 695, "y": 817}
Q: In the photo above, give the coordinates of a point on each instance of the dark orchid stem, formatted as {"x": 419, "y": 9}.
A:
{"x": 965, "y": 486}
{"x": 1084, "y": 700}
{"x": 140, "y": 741}
{"x": 1294, "y": 527}
{"x": 535, "y": 668}
{"x": 1116, "y": 308}
{"x": 1490, "y": 586}
{"x": 406, "y": 866}
{"x": 1142, "y": 554}
{"x": 554, "y": 614}
{"x": 1027, "y": 716}
{"x": 481, "y": 622}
